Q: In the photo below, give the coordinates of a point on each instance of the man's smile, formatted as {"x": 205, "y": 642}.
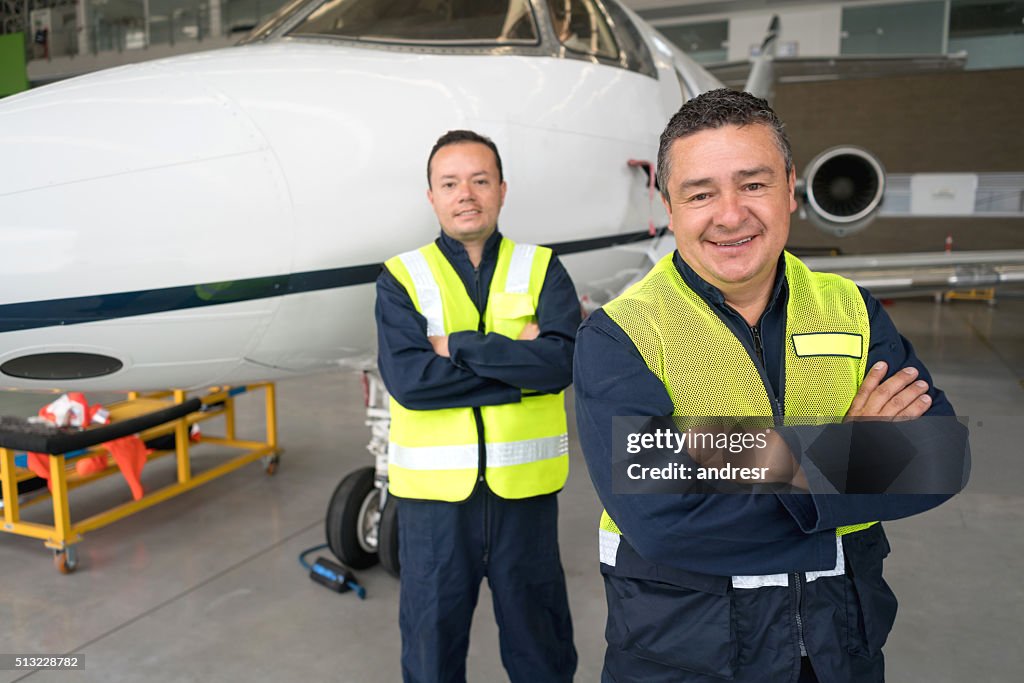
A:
{"x": 733, "y": 243}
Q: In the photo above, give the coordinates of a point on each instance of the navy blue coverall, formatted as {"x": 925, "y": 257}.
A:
{"x": 674, "y": 613}
{"x": 445, "y": 549}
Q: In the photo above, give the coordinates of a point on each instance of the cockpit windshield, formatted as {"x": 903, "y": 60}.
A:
{"x": 423, "y": 22}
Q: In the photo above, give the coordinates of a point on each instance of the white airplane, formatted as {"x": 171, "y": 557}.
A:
{"x": 219, "y": 218}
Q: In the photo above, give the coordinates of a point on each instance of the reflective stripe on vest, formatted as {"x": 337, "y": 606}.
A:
{"x": 429, "y": 294}
{"x": 461, "y": 457}
{"x": 435, "y": 454}
{"x": 666, "y": 319}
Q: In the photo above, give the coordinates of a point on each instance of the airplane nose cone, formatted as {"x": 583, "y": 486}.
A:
{"x": 144, "y": 164}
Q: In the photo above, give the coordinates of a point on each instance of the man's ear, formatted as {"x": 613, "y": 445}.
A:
{"x": 504, "y": 189}
{"x": 430, "y": 196}
{"x": 792, "y": 190}
{"x": 668, "y": 210}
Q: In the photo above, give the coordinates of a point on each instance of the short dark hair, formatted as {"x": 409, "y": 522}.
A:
{"x": 714, "y": 109}
{"x": 454, "y": 137}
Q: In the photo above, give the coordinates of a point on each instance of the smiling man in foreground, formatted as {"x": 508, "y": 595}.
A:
{"x": 760, "y": 584}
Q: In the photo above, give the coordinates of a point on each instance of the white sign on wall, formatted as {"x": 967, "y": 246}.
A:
{"x": 943, "y": 194}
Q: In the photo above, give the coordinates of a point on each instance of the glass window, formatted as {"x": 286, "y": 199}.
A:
{"x": 269, "y": 24}
{"x": 423, "y": 21}
{"x": 974, "y": 18}
{"x": 581, "y": 27}
{"x": 903, "y": 28}
{"x": 992, "y": 33}
{"x": 634, "y": 47}
{"x": 177, "y": 21}
{"x": 241, "y": 16}
{"x": 117, "y": 25}
{"x": 706, "y": 43}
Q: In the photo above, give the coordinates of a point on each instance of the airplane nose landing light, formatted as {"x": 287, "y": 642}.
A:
{"x": 65, "y": 365}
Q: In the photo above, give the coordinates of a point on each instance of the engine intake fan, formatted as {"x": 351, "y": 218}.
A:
{"x": 843, "y": 189}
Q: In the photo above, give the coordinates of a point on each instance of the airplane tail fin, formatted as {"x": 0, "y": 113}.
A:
{"x": 761, "y": 81}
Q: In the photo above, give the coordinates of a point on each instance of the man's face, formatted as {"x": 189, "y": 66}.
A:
{"x": 730, "y": 203}
{"x": 465, "y": 191}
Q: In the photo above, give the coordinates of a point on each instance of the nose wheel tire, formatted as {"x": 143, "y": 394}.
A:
{"x": 353, "y": 519}
{"x": 387, "y": 546}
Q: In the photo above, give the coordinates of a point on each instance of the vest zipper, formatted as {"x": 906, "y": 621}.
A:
{"x": 796, "y": 614}
{"x": 755, "y": 331}
{"x": 758, "y": 349}
{"x": 479, "y": 299}
{"x": 478, "y": 414}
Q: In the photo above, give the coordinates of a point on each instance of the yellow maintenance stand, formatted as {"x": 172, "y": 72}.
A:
{"x": 150, "y": 416}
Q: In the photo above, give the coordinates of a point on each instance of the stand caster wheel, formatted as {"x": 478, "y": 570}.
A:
{"x": 66, "y": 560}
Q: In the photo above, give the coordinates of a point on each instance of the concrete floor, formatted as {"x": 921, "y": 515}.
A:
{"x": 207, "y": 587}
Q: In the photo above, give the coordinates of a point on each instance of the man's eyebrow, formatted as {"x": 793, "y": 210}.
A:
{"x": 695, "y": 182}
{"x": 474, "y": 174}
{"x": 751, "y": 172}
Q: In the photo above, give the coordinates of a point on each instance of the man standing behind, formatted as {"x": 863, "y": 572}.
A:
{"x": 750, "y": 586}
{"x": 475, "y": 339}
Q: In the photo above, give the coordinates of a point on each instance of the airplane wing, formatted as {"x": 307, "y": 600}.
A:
{"x": 887, "y": 275}
{"x": 799, "y": 69}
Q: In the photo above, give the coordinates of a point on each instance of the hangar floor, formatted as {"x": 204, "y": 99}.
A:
{"x": 207, "y": 587}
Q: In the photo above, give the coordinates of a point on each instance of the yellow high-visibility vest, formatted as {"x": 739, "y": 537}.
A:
{"x": 708, "y": 372}
{"x": 435, "y": 454}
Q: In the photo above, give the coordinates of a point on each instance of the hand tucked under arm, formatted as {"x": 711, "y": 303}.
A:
{"x": 541, "y": 358}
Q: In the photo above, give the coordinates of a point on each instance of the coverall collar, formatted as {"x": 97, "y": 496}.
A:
{"x": 713, "y": 294}
{"x": 456, "y": 252}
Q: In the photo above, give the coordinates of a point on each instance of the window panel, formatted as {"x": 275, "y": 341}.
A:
{"x": 581, "y": 26}
{"x": 423, "y": 21}
{"x": 904, "y": 28}
{"x": 705, "y": 43}
{"x": 974, "y": 18}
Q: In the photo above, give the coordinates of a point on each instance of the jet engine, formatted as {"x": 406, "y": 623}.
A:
{"x": 842, "y": 190}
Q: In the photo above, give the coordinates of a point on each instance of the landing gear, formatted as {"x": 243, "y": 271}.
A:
{"x": 362, "y": 520}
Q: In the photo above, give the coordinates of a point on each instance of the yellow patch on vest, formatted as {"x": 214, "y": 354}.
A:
{"x": 828, "y": 344}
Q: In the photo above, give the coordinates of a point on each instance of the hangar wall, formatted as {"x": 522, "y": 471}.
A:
{"x": 939, "y": 122}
